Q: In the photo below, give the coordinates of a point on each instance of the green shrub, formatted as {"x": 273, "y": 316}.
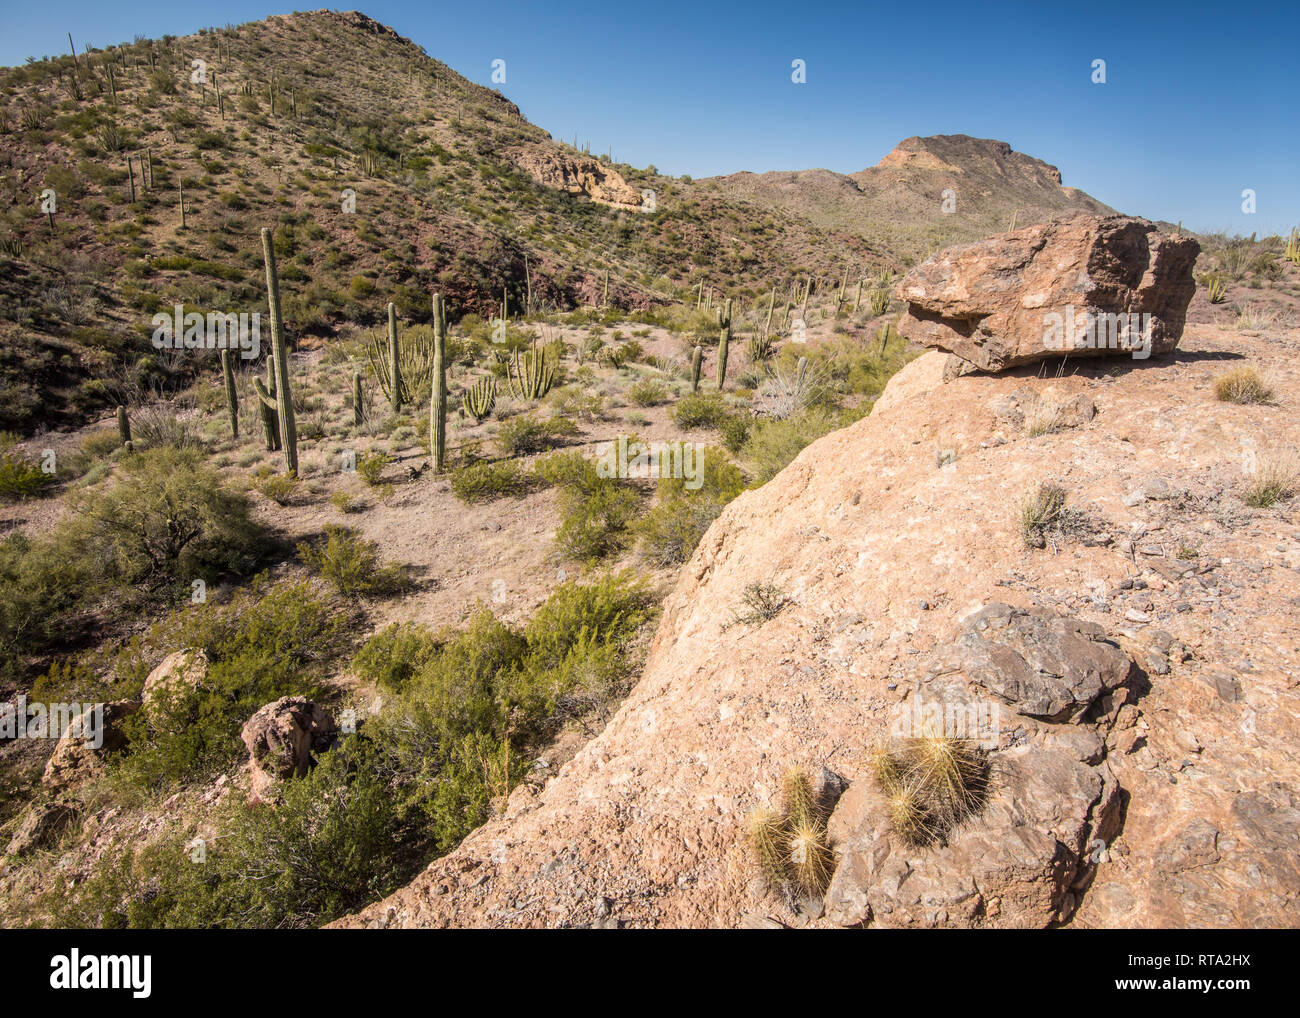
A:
{"x": 525, "y": 435}
{"x": 772, "y": 444}
{"x": 700, "y": 410}
{"x": 351, "y": 563}
{"x": 482, "y": 482}
{"x": 371, "y": 467}
{"x": 20, "y": 476}
{"x": 395, "y": 653}
{"x": 648, "y": 392}
{"x": 670, "y": 531}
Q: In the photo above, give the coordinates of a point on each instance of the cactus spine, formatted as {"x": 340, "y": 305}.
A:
{"x": 480, "y": 398}
{"x": 438, "y": 399}
{"x": 394, "y": 360}
{"x": 232, "y": 396}
{"x": 280, "y": 402}
{"x": 697, "y": 358}
{"x": 124, "y": 428}
{"x": 724, "y": 340}
{"x": 358, "y": 411}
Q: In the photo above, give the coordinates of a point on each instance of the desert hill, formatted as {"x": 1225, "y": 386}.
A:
{"x": 898, "y": 203}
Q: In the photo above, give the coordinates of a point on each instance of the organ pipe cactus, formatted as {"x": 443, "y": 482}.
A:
{"x": 232, "y": 396}
{"x": 480, "y": 398}
{"x": 394, "y": 361}
{"x": 281, "y": 400}
{"x": 438, "y": 398}
{"x": 530, "y": 376}
{"x": 724, "y": 341}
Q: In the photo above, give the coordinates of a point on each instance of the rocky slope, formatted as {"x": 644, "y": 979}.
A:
{"x": 1161, "y": 791}
{"x": 898, "y": 202}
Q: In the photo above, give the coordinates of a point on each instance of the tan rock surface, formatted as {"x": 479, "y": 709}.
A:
{"x": 884, "y": 554}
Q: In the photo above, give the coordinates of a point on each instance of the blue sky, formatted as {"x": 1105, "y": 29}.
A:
{"x": 1199, "y": 102}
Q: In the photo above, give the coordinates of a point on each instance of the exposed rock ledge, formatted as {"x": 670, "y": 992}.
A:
{"x": 1170, "y": 801}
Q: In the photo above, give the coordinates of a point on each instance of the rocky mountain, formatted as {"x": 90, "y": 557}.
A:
{"x": 899, "y": 204}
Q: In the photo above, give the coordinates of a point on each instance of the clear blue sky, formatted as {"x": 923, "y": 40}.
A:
{"x": 1200, "y": 100}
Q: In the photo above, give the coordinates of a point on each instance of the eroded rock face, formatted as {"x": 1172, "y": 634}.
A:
{"x": 282, "y": 738}
{"x": 1087, "y": 286}
{"x": 579, "y": 175}
{"x": 1039, "y": 664}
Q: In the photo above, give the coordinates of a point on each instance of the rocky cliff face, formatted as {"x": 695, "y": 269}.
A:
{"x": 1142, "y": 661}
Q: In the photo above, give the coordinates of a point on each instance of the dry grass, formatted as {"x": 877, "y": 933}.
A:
{"x": 1243, "y": 385}
{"x": 1275, "y": 480}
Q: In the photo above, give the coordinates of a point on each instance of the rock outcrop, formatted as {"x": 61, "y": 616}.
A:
{"x": 282, "y": 739}
{"x": 1084, "y": 286}
{"x": 176, "y": 672}
{"x": 1149, "y": 785}
{"x": 583, "y": 175}
{"x": 81, "y": 747}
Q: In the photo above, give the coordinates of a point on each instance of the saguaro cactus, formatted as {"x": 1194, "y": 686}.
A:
{"x": 697, "y": 358}
{"x": 358, "y": 411}
{"x": 266, "y": 403}
{"x": 438, "y": 387}
{"x": 394, "y": 360}
{"x": 124, "y": 428}
{"x": 724, "y": 340}
{"x": 232, "y": 396}
{"x": 281, "y": 400}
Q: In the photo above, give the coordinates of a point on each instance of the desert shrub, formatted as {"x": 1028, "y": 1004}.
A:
{"x": 1243, "y": 385}
{"x": 371, "y": 467}
{"x": 700, "y": 410}
{"x": 21, "y": 476}
{"x": 335, "y": 841}
{"x": 166, "y": 521}
{"x": 672, "y": 529}
{"x": 772, "y": 444}
{"x": 735, "y": 432}
{"x": 279, "y": 488}
{"x": 648, "y": 392}
{"x": 351, "y": 563}
{"x": 759, "y": 603}
{"x": 526, "y": 434}
{"x": 1043, "y": 514}
{"x": 596, "y": 513}
{"x": 153, "y": 429}
{"x": 395, "y": 653}
{"x": 484, "y": 481}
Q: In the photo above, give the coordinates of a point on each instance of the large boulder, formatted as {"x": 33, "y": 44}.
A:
{"x": 1086, "y": 286}
{"x": 77, "y": 755}
{"x": 281, "y": 739}
{"x": 176, "y": 672}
